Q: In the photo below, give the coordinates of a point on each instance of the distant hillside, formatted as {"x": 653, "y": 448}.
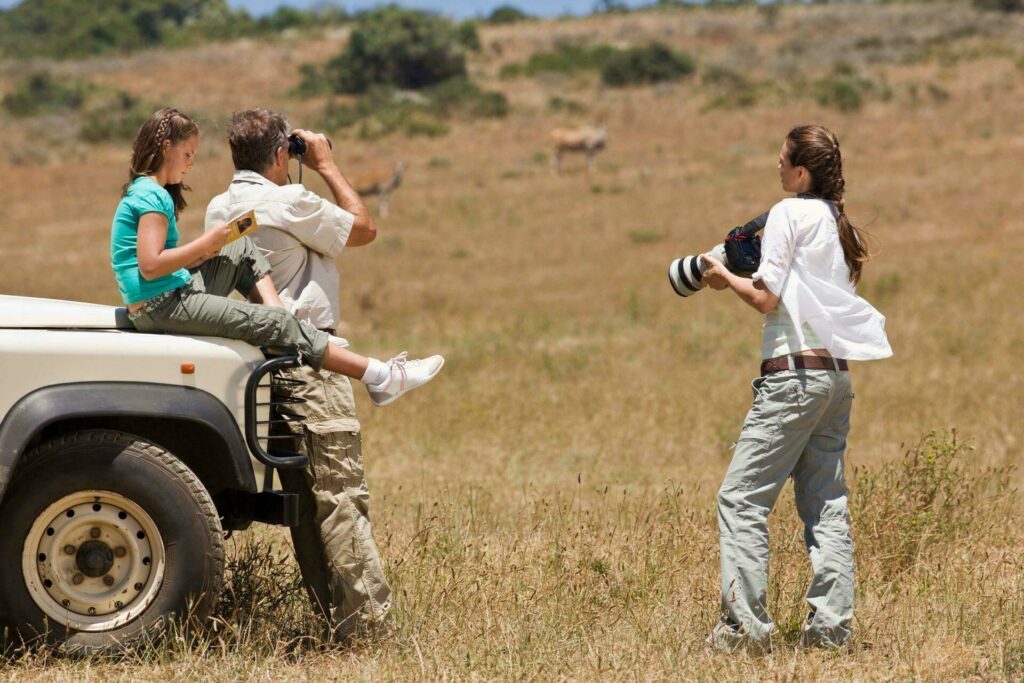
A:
{"x": 73, "y": 28}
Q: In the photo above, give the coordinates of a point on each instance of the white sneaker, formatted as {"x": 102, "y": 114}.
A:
{"x": 405, "y": 375}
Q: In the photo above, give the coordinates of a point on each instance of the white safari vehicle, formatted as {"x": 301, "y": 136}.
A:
{"x": 123, "y": 459}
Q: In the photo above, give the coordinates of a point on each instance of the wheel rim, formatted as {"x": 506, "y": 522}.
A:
{"x": 93, "y": 560}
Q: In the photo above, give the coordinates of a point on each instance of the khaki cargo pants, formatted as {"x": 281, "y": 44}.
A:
{"x": 203, "y": 308}
{"x": 797, "y": 428}
{"x": 333, "y": 540}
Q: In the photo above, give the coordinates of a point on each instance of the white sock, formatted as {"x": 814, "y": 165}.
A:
{"x": 376, "y": 372}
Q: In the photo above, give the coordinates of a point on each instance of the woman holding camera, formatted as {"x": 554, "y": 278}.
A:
{"x": 812, "y": 257}
{"x": 184, "y": 289}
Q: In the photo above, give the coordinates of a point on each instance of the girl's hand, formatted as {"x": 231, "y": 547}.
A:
{"x": 216, "y": 238}
{"x": 715, "y": 274}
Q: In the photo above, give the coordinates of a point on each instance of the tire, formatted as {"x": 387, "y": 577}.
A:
{"x": 104, "y": 539}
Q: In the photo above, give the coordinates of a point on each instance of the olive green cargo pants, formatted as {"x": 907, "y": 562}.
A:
{"x": 203, "y": 308}
{"x": 334, "y": 541}
{"x": 797, "y": 428}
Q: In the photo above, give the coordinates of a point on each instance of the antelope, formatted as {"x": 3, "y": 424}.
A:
{"x": 587, "y": 139}
{"x": 379, "y": 181}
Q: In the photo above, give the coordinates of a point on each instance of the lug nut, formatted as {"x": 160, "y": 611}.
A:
{"x": 118, "y": 604}
{"x": 94, "y": 532}
{"x": 119, "y": 551}
{"x": 77, "y": 579}
{"x": 69, "y": 549}
{"x": 65, "y": 602}
{"x": 92, "y": 610}
{"x": 138, "y": 586}
{"x": 108, "y": 580}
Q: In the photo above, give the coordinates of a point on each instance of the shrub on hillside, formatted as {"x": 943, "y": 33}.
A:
{"x": 284, "y": 18}
{"x": 468, "y": 35}
{"x": 383, "y": 111}
{"x": 732, "y": 89}
{"x": 1000, "y": 5}
{"x": 97, "y": 113}
{"x": 397, "y": 47}
{"x": 847, "y": 90}
{"x": 507, "y": 14}
{"x": 71, "y": 28}
{"x": 41, "y": 93}
{"x": 67, "y": 28}
{"x": 564, "y": 58}
{"x": 114, "y": 115}
{"x": 654, "y": 63}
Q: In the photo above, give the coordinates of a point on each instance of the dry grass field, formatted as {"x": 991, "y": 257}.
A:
{"x": 546, "y": 508}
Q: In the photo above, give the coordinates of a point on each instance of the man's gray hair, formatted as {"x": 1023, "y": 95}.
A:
{"x": 255, "y": 136}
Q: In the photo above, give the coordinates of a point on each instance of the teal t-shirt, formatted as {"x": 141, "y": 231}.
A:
{"x": 144, "y": 196}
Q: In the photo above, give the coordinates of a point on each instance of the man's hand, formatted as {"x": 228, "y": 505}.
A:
{"x": 318, "y": 154}
{"x": 715, "y": 275}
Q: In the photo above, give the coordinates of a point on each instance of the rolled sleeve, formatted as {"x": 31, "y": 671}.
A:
{"x": 319, "y": 224}
{"x": 777, "y": 246}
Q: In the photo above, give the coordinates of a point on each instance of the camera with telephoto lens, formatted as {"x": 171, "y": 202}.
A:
{"x": 740, "y": 253}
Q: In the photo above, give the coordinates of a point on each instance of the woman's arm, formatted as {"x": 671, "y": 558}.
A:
{"x": 755, "y": 294}
{"x": 155, "y": 261}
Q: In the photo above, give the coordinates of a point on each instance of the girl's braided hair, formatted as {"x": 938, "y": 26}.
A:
{"x": 165, "y": 125}
{"x": 816, "y": 148}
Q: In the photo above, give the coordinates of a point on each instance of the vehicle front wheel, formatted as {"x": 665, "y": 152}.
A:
{"x": 105, "y": 537}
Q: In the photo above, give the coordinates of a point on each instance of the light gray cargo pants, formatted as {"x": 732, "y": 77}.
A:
{"x": 797, "y": 428}
{"x": 203, "y": 308}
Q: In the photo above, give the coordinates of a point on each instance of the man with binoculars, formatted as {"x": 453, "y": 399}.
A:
{"x": 301, "y": 234}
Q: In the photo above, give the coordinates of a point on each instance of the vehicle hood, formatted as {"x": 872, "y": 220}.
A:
{"x": 23, "y": 312}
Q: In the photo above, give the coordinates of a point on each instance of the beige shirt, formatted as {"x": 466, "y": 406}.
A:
{"x": 300, "y": 233}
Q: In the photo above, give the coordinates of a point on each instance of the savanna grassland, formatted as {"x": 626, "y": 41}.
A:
{"x": 546, "y": 507}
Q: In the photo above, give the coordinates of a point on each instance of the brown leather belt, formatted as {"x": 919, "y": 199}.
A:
{"x": 803, "y": 363}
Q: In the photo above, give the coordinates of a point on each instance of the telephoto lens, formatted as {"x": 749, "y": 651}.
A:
{"x": 685, "y": 274}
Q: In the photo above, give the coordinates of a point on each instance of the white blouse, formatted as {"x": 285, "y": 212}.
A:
{"x": 802, "y": 263}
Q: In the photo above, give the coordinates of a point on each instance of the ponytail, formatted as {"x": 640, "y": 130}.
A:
{"x": 816, "y": 148}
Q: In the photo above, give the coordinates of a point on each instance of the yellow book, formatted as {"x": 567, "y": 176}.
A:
{"x": 242, "y": 225}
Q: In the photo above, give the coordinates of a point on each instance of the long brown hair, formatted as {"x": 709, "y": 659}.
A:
{"x": 816, "y": 148}
{"x": 148, "y": 149}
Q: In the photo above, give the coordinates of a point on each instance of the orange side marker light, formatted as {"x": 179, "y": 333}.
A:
{"x": 188, "y": 368}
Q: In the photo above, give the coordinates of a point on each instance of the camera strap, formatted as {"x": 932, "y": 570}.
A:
{"x": 299, "y": 157}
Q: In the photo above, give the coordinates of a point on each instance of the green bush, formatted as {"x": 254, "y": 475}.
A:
{"x": 567, "y": 105}
{"x": 99, "y": 113}
{"x": 732, "y": 89}
{"x": 74, "y": 28}
{"x": 507, "y": 14}
{"x": 847, "y": 90}
{"x": 460, "y": 96}
{"x": 654, "y": 63}
{"x": 69, "y": 28}
{"x": 383, "y": 111}
{"x": 116, "y": 115}
{"x": 565, "y": 58}
{"x": 397, "y": 47}
{"x": 284, "y": 18}
{"x": 1000, "y": 5}
{"x": 41, "y": 93}
{"x": 932, "y": 495}
{"x": 468, "y": 35}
